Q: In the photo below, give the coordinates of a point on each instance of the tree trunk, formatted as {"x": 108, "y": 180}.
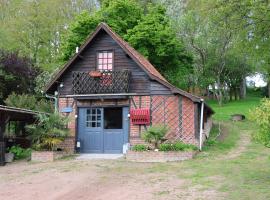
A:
{"x": 219, "y": 93}
{"x": 231, "y": 94}
{"x": 235, "y": 94}
{"x": 243, "y": 89}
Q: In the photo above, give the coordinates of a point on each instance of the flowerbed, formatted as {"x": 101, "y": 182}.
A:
{"x": 159, "y": 156}
{"x": 47, "y": 156}
{"x": 167, "y": 152}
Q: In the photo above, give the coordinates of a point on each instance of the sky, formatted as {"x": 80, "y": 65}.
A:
{"x": 257, "y": 79}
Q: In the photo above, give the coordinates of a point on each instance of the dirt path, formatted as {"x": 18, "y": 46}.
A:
{"x": 95, "y": 180}
{"x": 241, "y": 146}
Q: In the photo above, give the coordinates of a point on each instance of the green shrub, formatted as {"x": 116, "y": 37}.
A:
{"x": 155, "y": 135}
{"x": 19, "y": 152}
{"x": 48, "y": 132}
{"x": 261, "y": 115}
{"x": 178, "y": 146}
{"x": 139, "y": 147}
{"x": 166, "y": 147}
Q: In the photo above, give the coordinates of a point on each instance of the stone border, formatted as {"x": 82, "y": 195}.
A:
{"x": 160, "y": 156}
{"x": 47, "y": 156}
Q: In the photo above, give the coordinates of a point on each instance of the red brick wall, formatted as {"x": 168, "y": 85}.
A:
{"x": 69, "y": 102}
{"x": 67, "y": 145}
{"x": 188, "y": 133}
{"x": 136, "y": 130}
{"x": 165, "y": 110}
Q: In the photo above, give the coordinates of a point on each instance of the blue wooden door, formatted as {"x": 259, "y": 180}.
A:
{"x": 103, "y": 130}
{"x": 91, "y": 130}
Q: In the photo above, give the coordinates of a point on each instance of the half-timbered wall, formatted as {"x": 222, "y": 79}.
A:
{"x": 174, "y": 111}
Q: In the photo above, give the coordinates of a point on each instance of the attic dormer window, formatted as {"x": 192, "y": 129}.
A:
{"x": 105, "y": 60}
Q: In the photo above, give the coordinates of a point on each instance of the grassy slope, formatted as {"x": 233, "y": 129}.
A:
{"x": 243, "y": 177}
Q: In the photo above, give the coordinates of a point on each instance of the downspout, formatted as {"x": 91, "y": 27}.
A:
{"x": 201, "y": 124}
{"x": 55, "y": 101}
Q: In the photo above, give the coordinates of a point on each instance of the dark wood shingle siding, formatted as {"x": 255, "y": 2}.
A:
{"x": 156, "y": 89}
{"x": 140, "y": 82}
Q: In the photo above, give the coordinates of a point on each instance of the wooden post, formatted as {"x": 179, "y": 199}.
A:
{"x": 2, "y": 142}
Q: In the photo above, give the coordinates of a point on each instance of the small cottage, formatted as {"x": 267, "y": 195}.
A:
{"x": 112, "y": 94}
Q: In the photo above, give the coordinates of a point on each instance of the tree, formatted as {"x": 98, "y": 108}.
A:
{"x": 157, "y": 41}
{"x": 29, "y": 101}
{"x": 48, "y": 132}
{"x": 211, "y": 31}
{"x": 150, "y": 33}
{"x": 34, "y": 28}
{"x": 121, "y": 15}
{"x": 17, "y": 74}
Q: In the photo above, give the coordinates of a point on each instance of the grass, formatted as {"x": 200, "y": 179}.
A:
{"x": 244, "y": 177}
{"x": 216, "y": 146}
{"x": 223, "y": 113}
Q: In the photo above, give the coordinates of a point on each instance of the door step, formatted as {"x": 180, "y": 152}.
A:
{"x": 92, "y": 156}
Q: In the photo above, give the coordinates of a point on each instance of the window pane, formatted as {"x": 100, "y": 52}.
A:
{"x": 100, "y": 55}
{"x": 110, "y": 66}
{"x": 110, "y": 55}
{"x": 113, "y": 118}
{"x": 93, "y": 124}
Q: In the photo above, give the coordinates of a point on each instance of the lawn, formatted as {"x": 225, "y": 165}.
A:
{"x": 234, "y": 107}
{"x": 230, "y": 167}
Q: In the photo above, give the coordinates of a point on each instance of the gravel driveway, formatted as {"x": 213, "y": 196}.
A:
{"x": 94, "y": 180}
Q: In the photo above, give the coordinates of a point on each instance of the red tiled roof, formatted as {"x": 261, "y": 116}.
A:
{"x": 140, "y": 58}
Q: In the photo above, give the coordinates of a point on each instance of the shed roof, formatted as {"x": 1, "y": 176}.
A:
{"x": 17, "y": 114}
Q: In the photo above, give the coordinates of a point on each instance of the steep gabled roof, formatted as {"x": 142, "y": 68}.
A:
{"x": 135, "y": 55}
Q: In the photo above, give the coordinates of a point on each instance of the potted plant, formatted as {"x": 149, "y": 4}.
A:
{"x": 9, "y": 156}
{"x": 155, "y": 135}
{"x": 16, "y": 153}
{"x": 46, "y": 134}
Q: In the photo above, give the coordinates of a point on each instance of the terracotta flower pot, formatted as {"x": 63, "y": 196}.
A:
{"x": 95, "y": 74}
{"x": 9, "y": 157}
